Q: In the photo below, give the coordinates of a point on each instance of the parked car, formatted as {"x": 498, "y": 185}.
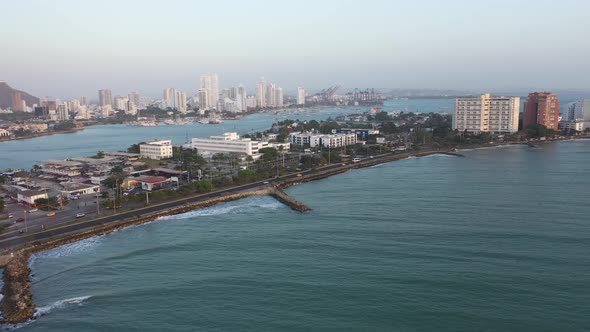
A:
{"x": 80, "y": 215}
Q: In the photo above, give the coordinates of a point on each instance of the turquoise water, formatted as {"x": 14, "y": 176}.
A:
{"x": 496, "y": 241}
{"x": 26, "y": 153}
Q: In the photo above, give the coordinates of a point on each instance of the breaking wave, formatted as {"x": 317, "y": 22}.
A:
{"x": 45, "y": 310}
{"x": 67, "y": 249}
{"x": 244, "y": 206}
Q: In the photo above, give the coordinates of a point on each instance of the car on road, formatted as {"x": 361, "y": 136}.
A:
{"x": 20, "y": 219}
{"x": 265, "y": 182}
{"x": 33, "y": 210}
{"x": 80, "y": 215}
{"x": 299, "y": 175}
{"x": 51, "y": 214}
{"x": 10, "y": 215}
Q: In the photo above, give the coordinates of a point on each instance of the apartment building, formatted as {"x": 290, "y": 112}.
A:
{"x": 487, "y": 114}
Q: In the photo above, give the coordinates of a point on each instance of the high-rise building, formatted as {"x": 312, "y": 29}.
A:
{"x": 169, "y": 98}
{"x": 270, "y": 95}
{"x": 62, "y": 112}
{"x": 580, "y": 112}
{"x": 210, "y": 83}
{"x": 300, "y": 96}
{"x": 279, "y": 97}
{"x": 180, "y": 102}
{"x": 134, "y": 98}
{"x": 83, "y": 101}
{"x": 203, "y": 100}
{"x": 105, "y": 97}
{"x": 121, "y": 103}
{"x": 487, "y": 114}
{"x": 541, "y": 108}
{"x": 261, "y": 93}
{"x": 17, "y": 101}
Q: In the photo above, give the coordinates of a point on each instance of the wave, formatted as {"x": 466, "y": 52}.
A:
{"x": 42, "y": 311}
{"x": 226, "y": 209}
{"x": 67, "y": 249}
{"x": 45, "y": 310}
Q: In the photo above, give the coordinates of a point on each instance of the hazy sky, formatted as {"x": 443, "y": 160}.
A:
{"x": 71, "y": 48}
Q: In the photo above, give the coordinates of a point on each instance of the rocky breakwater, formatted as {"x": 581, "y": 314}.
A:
{"x": 17, "y": 304}
{"x": 291, "y": 202}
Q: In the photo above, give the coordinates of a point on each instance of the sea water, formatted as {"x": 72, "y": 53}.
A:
{"x": 496, "y": 241}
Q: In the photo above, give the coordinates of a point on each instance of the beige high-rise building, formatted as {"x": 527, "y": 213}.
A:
{"x": 300, "y": 96}
{"x": 105, "y": 97}
{"x": 487, "y": 114}
{"x": 203, "y": 100}
{"x": 210, "y": 83}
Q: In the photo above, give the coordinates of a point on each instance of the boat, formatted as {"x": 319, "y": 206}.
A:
{"x": 215, "y": 121}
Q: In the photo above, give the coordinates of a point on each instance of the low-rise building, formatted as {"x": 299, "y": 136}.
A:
{"x": 577, "y": 125}
{"x": 4, "y": 133}
{"x": 157, "y": 150}
{"x": 62, "y": 167}
{"x": 233, "y": 143}
{"x": 319, "y": 140}
{"x": 149, "y": 183}
{"x": 73, "y": 188}
{"x": 362, "y": 134}
{"x": 29, "y": 197}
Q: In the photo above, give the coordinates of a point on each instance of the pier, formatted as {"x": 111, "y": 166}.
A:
{"x": 281, "y": 196}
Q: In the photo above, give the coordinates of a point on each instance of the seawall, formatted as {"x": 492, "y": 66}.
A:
{"x": 291, "y": 202}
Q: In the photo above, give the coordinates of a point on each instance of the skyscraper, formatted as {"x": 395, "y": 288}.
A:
{"x": 279, "y": 97}
{"x": 261, "y": 93}
{"x": 203, "y": 100}
{"x": 180, "y": 102}
{"x": 487, "y": 114}
{"x": 134, "y": 98}
{"x": 17, "y": 101}
{"x": 541, "y": 108}
{"x": 169, "y": 97}
{"x": 300, "y": 96}
{"x": 62, "y": 112}
{"x": 270, "y": 95}
{"x": 210, "y": 83}
{"x": 105, "y": 97}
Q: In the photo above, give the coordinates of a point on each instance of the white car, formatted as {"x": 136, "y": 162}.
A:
{"x": 33, "y": 210}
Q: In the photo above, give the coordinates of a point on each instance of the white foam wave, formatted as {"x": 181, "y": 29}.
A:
{"x": 45, "y": 310}
{"x": 68, "y": 249}
{"x": 42, "y": 311}
{"x": 223, "y": 209}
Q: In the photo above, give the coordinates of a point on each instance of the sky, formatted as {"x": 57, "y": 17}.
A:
{"x": 71, "y": 48}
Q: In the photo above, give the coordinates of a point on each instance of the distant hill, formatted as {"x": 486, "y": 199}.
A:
{"x": 6, "y": 93}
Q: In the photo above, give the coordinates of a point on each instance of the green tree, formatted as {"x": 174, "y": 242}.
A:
{"x": 269, "y": 153}
{"x": 134, "y": 148}
{"x": 1, "y": 205}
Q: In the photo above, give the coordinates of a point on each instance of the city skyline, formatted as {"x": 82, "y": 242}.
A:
{"x": 381, "y": 44}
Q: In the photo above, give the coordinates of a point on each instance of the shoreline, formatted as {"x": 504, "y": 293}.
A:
{"x": 71, "y": 131}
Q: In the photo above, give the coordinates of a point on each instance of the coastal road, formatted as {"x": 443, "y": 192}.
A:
{"x": 15, "y": 239}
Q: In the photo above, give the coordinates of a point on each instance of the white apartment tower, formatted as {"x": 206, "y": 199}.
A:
{"x": 487, "y": 114}
{"x": 300, "y": 96}
{"x": 180, "y": 101}
{"x": 261, "y": 93}
{"x": 203, "y": 100}
{"x": 210, "y": 83}
{"x": 279, "y": 97}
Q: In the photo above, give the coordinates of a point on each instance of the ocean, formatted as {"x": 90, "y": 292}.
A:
{"x": 496, "y": 241}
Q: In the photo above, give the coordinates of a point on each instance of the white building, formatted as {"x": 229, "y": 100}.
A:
{"x": 180, "y": 102}
{"x": 168, "y": 98}
{"x": 30, "y": 196}
{"x": 300, "y": 96}
{"x": 487, "y": 114}
{"x": 210, "y": 83}
{"x": 231, "y": 143}
{"x": 577, "y": 125}
{"x": 62, "y": 112}
{"x": 261, "y": 93}
{"x": 161, "y": 149}
{"x": 318, "y": 140}
{"x": 580, "y": 112}
{"x": 4, "y": 133}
